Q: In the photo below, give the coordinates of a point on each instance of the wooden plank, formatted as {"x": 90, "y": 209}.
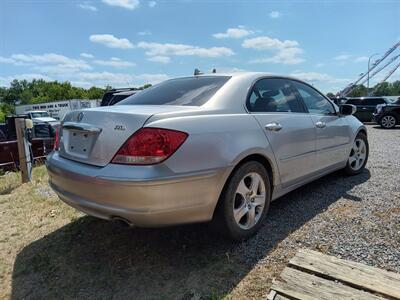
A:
{"x": 355, "y": 274}
{"x": 304, "y": 286}
{"x": 273, "y": 295}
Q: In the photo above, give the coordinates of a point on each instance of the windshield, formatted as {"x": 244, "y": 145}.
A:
{"x": 192, "y": 91}
{"x": 40, "y": 114}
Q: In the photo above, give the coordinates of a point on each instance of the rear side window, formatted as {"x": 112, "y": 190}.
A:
{"x": 191, "y": 91}
{"x": 373, "y": 101}
{"x": 273, "y": 95}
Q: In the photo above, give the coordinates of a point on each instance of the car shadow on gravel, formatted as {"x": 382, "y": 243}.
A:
{"x": 91, "y": 258}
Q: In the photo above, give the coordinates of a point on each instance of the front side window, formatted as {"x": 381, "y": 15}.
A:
{"x": 314, "y": 101}
{"x": 273, "y": 95}
{"x": 192, "y": 91}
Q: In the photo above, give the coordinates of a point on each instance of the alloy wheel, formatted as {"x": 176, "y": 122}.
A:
{"x": 358, "y": 154}
{"x": 388, "y": 121}
{"x": 249, "y": 201}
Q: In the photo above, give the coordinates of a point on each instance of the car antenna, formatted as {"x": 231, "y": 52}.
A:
{"x": 197, "y": 72}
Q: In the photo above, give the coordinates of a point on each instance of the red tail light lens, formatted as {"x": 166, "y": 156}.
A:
{"x": 57, "y": 139}
{"x": 149, "y": 146}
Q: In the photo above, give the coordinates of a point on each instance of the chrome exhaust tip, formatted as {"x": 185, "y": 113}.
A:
{"x": 122, "y": 221}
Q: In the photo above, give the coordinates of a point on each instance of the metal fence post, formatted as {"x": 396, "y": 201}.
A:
{"x": 25, "y": 163}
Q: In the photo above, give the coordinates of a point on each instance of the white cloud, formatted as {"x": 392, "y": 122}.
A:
{"x": 285, "y": 51}
{"x": 320, "y": 65}
{"x": 286, "y": 56}
{"x": 86, "y": 55}
{"x": 119, "y": 79}
{"x": 267, "y": 43}
{"x": 128, "y": 4}
{"x": 6, "y": 60}
{"x": 361, "y": 59}
{"x": 152, "y": 3}
{"x": 60, "y": 61}
{"x": 275, "y": 14}
{"x": 115, "y": 63}
{"x": 87, "y": 6}
{"x": 157, "y": 49}
{"x": 145, "y": 32}
{"x": 111, "y": 41}
{"x": 311, "y": 76}
{"x": 160, "y": 59}
{"x": 5, "y": 81}
{"x": 318, "y": 77}
{"x": 342, "y": 57}
{"x": 233, "y": 33}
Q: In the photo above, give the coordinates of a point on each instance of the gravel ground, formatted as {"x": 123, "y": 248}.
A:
{"x": 49, "y": 251}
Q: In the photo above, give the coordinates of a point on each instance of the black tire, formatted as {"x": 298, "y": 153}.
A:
{"x": 224, "y": 221}
{"x": 349, "y": 170}
{"x": 388, "y": 125}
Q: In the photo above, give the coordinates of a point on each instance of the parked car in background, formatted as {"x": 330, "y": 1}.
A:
{"x": 202, "y": 148}
{"x": 42, "y": 116}
{"x": 107, "y": 97}
{"x": 388, "y": 115}
{"x": 118, "y": 97}
{"x": 41, "y": 138}
{"x": 366, "y": 106}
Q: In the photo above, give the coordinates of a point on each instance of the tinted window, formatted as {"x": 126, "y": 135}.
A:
{"x": 373, "y": 101}
{"x": 193, "y": 91}
{"x": 314, "y": 101}
{"x": 354, "y": 101}
{"x": 273, "y": 95}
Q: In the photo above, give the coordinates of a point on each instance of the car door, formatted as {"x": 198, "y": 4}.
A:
{"x": 287, "y": 126}
{"x": 332, "y": 131}
{"x": 368, "y": 107}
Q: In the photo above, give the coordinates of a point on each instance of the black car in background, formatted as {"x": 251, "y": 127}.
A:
{"x": 109, "y": 95}
{"x": 366, "y": 106}
{"x": 388, "y": 115}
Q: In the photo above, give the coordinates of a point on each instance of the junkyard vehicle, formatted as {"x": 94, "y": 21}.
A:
{"x": 42, "y": 143}
{"x": 202, "y": 148}
{"x": 388, "y": 115}
{"x": 366, "y": 106}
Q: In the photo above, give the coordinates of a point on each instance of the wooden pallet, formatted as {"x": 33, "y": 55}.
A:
{"x": 313, "y": 275}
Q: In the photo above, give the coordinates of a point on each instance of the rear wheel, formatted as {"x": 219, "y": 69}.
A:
{"x": 388, "y": 121}
{"x": 358, "y": 155}
{"x": 244, "y": 202}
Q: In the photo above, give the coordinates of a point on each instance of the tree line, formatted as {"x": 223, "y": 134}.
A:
{"x": 380, "y": 89}
{"x": 38, "y": 91}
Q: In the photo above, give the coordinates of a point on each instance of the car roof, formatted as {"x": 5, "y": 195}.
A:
{"x": 131, "y": 92}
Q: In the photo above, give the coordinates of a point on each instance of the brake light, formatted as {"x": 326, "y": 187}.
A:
{"x": 57, "y": 139}
{"x": 149, "y": 146}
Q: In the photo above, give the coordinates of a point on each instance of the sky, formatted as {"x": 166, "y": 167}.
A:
{"x": 132, "y": 42}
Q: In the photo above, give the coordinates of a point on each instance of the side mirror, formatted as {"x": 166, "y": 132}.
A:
{"x": 347, "y": 109}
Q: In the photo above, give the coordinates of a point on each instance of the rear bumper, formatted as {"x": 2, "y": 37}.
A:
{"x": 147, "y": 196}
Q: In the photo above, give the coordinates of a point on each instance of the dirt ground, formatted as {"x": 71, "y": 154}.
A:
{"x": 50, "y": 251}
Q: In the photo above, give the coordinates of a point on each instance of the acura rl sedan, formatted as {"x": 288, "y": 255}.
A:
{"x": 203, "y": 148}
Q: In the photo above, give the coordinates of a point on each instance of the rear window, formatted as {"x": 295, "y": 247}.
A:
{"x": 191, "y": 91}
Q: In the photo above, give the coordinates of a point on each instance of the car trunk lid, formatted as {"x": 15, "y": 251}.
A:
{"x": 93, "y": 136}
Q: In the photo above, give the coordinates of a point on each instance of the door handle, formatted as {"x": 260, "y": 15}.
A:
{"x": 273, "y": 126}
{"x": 320, "y": 124}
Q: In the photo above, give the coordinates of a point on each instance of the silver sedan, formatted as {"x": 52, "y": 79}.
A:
{"x": 209, "y": 147}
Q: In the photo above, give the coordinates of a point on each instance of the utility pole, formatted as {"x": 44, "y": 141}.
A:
{"x": 25, "y": 163}
{"x": 369, "y": 61}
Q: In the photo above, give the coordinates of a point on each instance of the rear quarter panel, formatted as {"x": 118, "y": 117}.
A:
{"x": 216, "y": 141}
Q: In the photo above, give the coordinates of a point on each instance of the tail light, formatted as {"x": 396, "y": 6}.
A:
{"x": 149, "y": 146}
{"x": 57, "y": 139}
